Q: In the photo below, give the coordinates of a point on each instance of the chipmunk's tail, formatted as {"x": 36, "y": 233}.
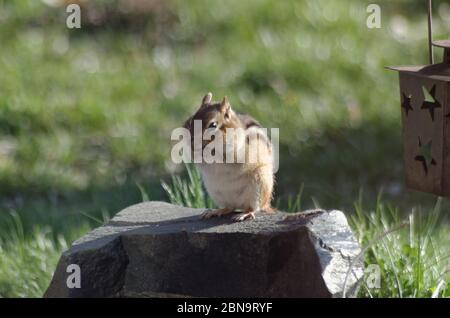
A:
{"x": 266, "y": 192}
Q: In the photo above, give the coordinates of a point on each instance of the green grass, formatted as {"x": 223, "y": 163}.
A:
{"x": 188, "y": 192}
{"x": 413, "y": 253}
{"x": 86, "y": 115}
{"x": 26, "y": 262}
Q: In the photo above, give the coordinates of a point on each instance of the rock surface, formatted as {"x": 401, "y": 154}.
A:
{"x": 156, "y": 249}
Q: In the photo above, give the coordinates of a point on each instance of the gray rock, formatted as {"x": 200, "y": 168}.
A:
{"x": 156, "y": 249}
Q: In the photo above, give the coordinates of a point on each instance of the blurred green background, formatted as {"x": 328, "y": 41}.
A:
{"x": 86, "y": 114}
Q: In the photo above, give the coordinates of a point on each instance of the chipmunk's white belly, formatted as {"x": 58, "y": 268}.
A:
{"x": 229, "y": 185}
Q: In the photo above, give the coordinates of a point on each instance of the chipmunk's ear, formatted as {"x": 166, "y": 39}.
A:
{"x": 225, "y": 105}
{"x": 206, "y": 100}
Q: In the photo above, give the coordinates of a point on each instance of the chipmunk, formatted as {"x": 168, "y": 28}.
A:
{"x": 245, "y": 185}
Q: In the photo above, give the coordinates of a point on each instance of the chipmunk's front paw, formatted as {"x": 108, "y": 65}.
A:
{"x": 243, "y": 217}
{"x": 216, "y": 213}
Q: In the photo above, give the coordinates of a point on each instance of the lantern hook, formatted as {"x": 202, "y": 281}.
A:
{"x": 430, "y": 31}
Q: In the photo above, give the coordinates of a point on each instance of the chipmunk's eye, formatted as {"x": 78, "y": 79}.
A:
{"x": 212, "y": 125}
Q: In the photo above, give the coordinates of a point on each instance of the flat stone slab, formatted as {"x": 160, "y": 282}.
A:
{"x": 156, "y": 249}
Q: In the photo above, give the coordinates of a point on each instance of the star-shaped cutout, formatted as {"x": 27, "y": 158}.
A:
{"x": 406, "y": 105}
{"x": 430, "y": 103}
{"x": 425, "y": 156}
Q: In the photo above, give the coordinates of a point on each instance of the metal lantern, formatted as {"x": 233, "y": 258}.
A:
{"x": 425, "y": 106}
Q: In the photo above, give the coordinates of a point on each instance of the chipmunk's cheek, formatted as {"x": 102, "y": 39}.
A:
{"x": 209, "y": 138}
{"x": 196, "y": 145}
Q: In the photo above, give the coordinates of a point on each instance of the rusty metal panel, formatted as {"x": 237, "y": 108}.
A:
{"x": 423, "y": 102}
{"x": 446, "y": 150}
